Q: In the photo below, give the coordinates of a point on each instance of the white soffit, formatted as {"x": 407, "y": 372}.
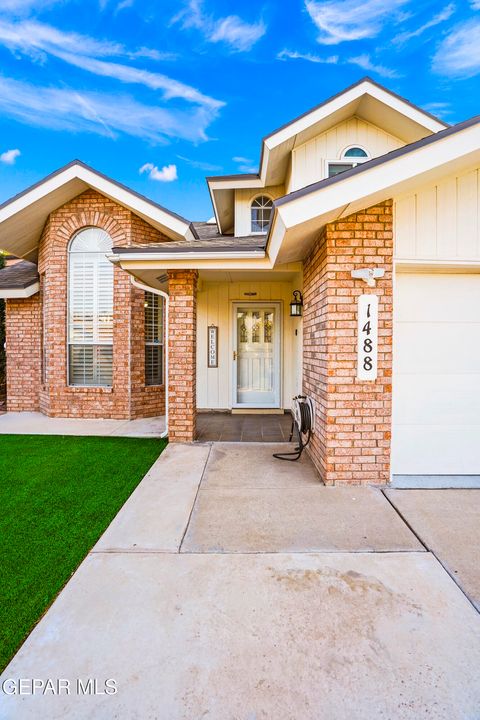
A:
{"x": 23, "y": 217}
{"x": 299, "y": 218}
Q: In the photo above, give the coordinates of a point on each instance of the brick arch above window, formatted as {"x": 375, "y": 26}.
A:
{"x": 86, "y": 219}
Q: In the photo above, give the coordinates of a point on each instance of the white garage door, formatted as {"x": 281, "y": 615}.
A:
{"x": 436, "y": 375}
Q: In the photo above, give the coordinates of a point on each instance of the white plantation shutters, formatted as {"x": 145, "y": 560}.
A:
{"x": 90, "y": 309}
{"x": 153, "y": 339}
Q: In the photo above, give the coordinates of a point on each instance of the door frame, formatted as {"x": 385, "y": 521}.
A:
{"x": 278, "y": 348}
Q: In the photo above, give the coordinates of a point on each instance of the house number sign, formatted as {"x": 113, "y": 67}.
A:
{"x": 212, "y": 346}
{"x": 367, "y": 337}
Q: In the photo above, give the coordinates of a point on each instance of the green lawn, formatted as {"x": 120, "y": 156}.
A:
{"x": 57, "y": 496}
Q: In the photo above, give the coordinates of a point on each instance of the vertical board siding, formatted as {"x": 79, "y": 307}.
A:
{"x": 440, "y": 222}
{"x": 214, "y": 307}
{"x": 309, "y": 161}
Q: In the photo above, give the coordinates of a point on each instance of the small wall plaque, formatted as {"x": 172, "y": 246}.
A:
{"x": 212, "y": 346}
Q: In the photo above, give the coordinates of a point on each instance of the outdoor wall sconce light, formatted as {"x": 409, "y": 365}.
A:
{"x": 297, "y": 304}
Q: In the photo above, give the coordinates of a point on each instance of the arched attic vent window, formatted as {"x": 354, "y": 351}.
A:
{"x": 355, "y": 152}
{"x": 261, "y": 212}
{"x": 350, "y": 157}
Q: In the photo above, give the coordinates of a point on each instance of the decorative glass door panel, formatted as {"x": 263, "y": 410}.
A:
{"x": 256, "y": 357}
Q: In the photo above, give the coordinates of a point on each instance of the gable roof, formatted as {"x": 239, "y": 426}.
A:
{"x": 299, "y": 215}
{"x": 365, "y": 99}
{"x": 23, "y": 217}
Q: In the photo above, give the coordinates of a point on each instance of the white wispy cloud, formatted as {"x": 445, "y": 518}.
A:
{"x": 9, "y": 156}
{"x": 440, "y": 17}
{"x": 294, "y": 55}
{"x": 156, "y": 81}
{"x": 440, "y": 109}
{"x": 245, "y": 164}
{"x": 232, "y": 30}
{"x": 342, "y": 20}
{"x": 365, "y": 62}
{"x": 103, "y": 113}
{"x": 168, "y": 173}
{"x": 21, "y": 6}
{"x": 475, "y": 4}
{"x": 458, "y": 55}
{"x": 235, "y": 32}
{"x": 34, "y": 38}
{"x": 39, "y": 40}
{"x": 200, "y": 165}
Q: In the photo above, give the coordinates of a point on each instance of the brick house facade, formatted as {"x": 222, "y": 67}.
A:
{"x": 363, "y": 185}
{"x": 37, "y": 327}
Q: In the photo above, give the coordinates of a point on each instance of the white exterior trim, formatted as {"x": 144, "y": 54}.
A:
{"x": 278, "y": 305}
{"x": 14, "y": 293}
{"x": 364, "y": 88}
{"x": 332, "y": 201}
{"x": 166, "y": 297}
{"x": 104, "y": 186}
{"x": 250, "y": 255}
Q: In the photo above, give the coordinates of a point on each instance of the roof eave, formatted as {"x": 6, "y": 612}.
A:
{"x": 17, "y": 293}
{"x": 339, "y": 196}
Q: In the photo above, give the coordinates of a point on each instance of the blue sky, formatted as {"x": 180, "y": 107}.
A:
{"x": 159, "y": 94}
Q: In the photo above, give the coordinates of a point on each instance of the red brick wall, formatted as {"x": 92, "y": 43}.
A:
{"x": 23, "y": 339}
{"x": 351, "y": 444}
{"x": 128, "y": 397}
{"x": 182, "y": 341}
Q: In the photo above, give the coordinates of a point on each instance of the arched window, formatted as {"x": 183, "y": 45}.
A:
{"x": 90, "y": 309}
{"x": 355, "y": 152}
{"x": 349, "y": 158}
{"x": 261, "y": 211}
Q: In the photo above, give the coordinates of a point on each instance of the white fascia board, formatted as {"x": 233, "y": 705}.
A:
{"x": 238, "y": 183}
{"x": 37, "y": 193}
{"x": 104, "y": 186}
{"x": 320, "y": 113}
{"x": 355, "y": 93}
{"x": 404, "y": 108}
{"x": 378, "y": 179}
{"x": 276, "y": 235}
{"x": 166, "y": 257}
{"x": 18, "y": 293}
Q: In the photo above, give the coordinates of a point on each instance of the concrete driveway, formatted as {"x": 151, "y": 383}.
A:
{"x": 233, "y": 586}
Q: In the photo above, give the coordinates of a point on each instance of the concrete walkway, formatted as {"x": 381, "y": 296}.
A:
{"x": 232, "y": 585}
{"x": 34, "y": 423}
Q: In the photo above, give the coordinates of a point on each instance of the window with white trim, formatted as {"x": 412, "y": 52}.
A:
{"x": 153, "y": 339}
{"x": 261, "y": 212}
{"x": 349, "y": 159}
{"x": 90, "y": 309}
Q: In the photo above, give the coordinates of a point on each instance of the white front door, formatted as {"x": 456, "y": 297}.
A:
{"x": 256, "y": 355}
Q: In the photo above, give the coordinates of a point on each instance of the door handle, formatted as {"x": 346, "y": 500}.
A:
{"x": 234, "y": 354}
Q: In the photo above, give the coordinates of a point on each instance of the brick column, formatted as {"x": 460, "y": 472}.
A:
{"x": 182, "y": 341}
{"x": 351, "y": 444}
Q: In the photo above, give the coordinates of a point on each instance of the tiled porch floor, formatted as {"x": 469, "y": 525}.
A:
{"x": 243, "y": 428}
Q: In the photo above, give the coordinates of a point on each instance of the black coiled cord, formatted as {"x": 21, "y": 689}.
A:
{"x": 303, "y": 428}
